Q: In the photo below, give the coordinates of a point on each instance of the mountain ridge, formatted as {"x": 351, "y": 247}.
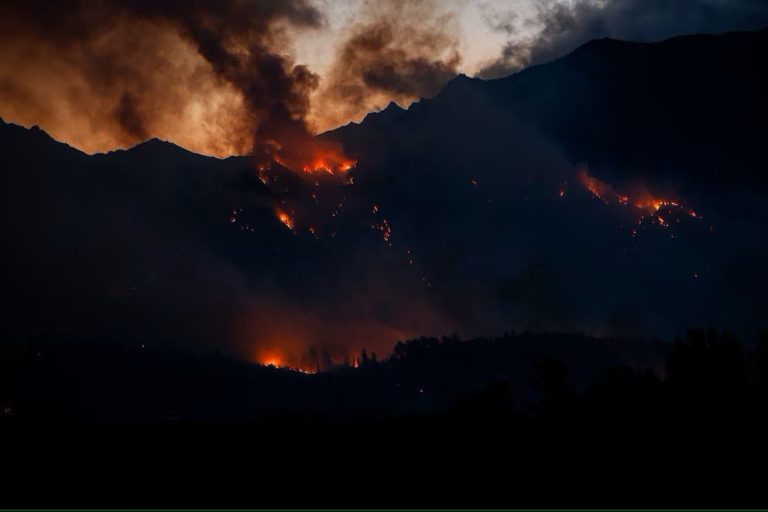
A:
{"x": 474, "y": 215}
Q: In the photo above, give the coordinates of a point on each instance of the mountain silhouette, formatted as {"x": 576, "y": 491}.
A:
{"x": 613, "y": 196}
{"x": 466, "y": 214}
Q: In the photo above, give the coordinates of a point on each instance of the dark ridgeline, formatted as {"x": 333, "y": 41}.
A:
{"x": 123, "y": 273}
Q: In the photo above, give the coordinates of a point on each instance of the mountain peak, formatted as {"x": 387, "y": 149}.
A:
{"x": 158, "y": 146}
{"x": 392, "y": 107}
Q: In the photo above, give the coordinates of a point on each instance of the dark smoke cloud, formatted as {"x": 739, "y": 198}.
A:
{"x": 215, "y": 76}
{"x": 401, "y": 52}
{"x": 561, "y": 27}
{"x": 129, "y": 118}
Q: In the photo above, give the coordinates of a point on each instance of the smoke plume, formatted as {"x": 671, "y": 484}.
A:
{"x": 212, "y": 76}
{"x": 401, "y": 51}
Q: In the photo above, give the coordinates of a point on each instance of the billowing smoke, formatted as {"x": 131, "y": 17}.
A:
{"x": 558, "y": 28}
{"x": 401, "y": 51}
{"x": 213, "y": 76}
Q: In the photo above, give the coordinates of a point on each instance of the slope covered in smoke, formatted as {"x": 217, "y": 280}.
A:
{"x": 603, "y": 192}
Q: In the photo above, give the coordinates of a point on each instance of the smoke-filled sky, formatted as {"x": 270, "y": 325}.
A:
{"x": 243, "y": 76}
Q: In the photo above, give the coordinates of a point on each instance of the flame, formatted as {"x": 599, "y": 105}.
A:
{"x": 316, "y": 157}
{"x": 275, "y": 358}
{"x": 329, "y": 165}
{"x": 652, "y": 204}
{"x": 598, "y": 188}
{"x": 643, "y": 200}
{"x": 285, "y": 219}
{"x": 273, "y": 361}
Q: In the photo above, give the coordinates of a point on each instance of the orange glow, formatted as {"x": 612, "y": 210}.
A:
{"x": 285, "y": 219}
{"x": 270, "y": 357}
{"x": 274, "y": 358}
{"x": 598, "y": 188}
{"x": 314, "y": 156}
{"x": 330, "y": 164}
{"x": 273, "y": 361}
{"x": 641, "y": 198}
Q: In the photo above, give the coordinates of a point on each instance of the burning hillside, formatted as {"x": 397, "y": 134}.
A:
{"x": 645, "y": 205}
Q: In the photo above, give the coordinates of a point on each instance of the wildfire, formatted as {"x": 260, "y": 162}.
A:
{"x": 285, "y": 219}
{"x": 329, "y": 165}
{"x": 649, "y": 205}
{"x": 316, "y": 157}
{"x": 275, "y": 362}
{"x": 652, "y": 205}
{"x": 598, "y": 188}
{"x": 276, "y": 359}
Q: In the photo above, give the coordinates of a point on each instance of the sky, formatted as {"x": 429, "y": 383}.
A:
{"x": 478, "y": 42}
{"x": 102, "y": 75}
{"x": 252, "y": 76}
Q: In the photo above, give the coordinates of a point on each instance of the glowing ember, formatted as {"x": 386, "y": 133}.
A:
{"x": 385, "y": 228}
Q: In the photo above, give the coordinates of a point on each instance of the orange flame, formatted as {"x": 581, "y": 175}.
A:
{"x": 285, "y": 219}
{"x": 598, "y": 188}
{"x": 646, "y": 201}
{"x": 316, "y": 157}
{"x": 275, "y": 358}
{"x": 329, "y": 165}
{"x": 641, "y": 199}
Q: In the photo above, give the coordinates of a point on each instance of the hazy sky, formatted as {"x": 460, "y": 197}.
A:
{"x": 220, "y": 77}
{"x": 478, "y": 43}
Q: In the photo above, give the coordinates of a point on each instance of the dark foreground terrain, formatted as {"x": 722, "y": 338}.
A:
{"x": 486, "y": 422}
